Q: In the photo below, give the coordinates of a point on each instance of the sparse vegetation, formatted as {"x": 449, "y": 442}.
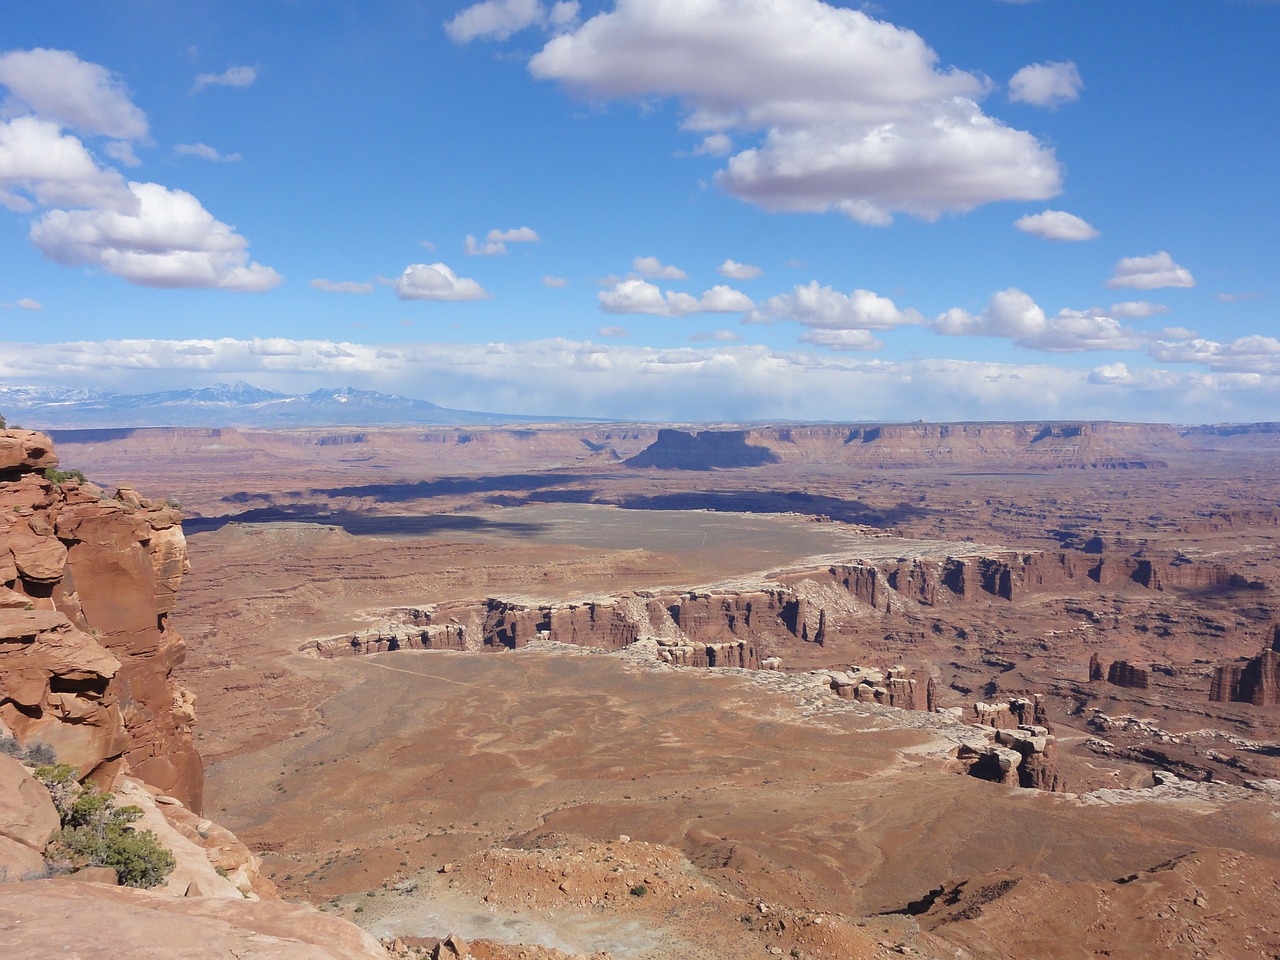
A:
{"x": 97, "y": 833}
{"x": 639, "y": 890}
{"x": 59, "y": 477}
{"x": 36, "y": 754}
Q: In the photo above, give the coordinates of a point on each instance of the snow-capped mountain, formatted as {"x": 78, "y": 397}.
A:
{"x": 222, "y": 405}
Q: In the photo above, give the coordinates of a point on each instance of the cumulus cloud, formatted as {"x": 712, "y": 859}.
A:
{"x": 489, "y": 248}
{"x": 1014, "y": 314}
{"x": 1255, "y": 354}
{"x": 141, "y": 232}
{"x": 499, "y": 19}
{"x": 640, "y": 296}
{"x": 1056, "y": 225}
{"x": 1137, "y": 309}
{"x": 26, "y": 303}
{"x": 39, "y": 162}
{"x": 169, "y": 240}
{"x": 739, "y": 271}
{"x": 1046, "y": 84}
{"x": 231, "y": 77}
{"x": 655, "y": 269}
{"x": 341, "y": 286}
{"x": 1110, "y": 373}
{"x": 857, "y": 115}
{"x": 625, "y": 381}
{"x": 714, "y": 145}
{"x": 556, "y": 283}
{"x": 205, "y": 152}
{"x": 1150, "y": 273}
{"x": 496, "y": 241}
{"x": 613, "y": 331}
{"x": 827, "y": 309}
{"x": 435, "y": 281}
{"x": 515, "y": 235}
{"x": 57, "y": 85}
{"x": 1009, "y": 313}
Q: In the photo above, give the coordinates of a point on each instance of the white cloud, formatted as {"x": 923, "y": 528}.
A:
{"x": 850, "y": 340}
{"x": 341, "y": 286}
{"x": 1255, "y": 354}
{"x": 57, "y": 85}
{"x": 857, "y": 116}
{"x": 613, "y": 331}
{"x": 421, "y": 281}
{"x": 556, "y": 283}
{"x": 489, "y": 248}
{"x": 499, "y": 19}
{"x": 640, "y": 296}
{"x": 714, "y": 145}
{"x": 516, "y": 235}
{"x": 1151, "y": 273}
{"x": 122, "y": 152}
{"x": 205, "y": 152}
{"x": 26, "y": 303}
{"x": 1238, "y": 297}
{"x": 496, "y": 241}
{"x": 739, "y": 271}
{"x": 1056, "y": 225}
{"x": 231, "y": 77}
{"x": 54, "y": 168}
{"x": 1014, "y": 314}
{"x": 1110, "y": 373}
{"x": 1046, "y": 84}
{"x": 655, "y": 269}
{"x": 1076, "y": 331}
{"x": 170, "y": 240}
{"x": 624, "y": 381}
{"x": 828, "y": 309}
{"x": 1137, "y": 309}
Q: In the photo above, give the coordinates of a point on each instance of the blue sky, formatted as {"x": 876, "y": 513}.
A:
{"x": 697, "y": 210}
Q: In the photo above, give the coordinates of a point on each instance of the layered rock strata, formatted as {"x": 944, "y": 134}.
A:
{"x": 1257, "y": 681}
{"x": 87, "y": 582}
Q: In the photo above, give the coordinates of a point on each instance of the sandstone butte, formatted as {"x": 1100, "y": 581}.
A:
{"x": 87, "y": 582}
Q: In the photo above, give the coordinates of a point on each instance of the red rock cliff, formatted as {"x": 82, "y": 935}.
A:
{"x": 87, "y": 582}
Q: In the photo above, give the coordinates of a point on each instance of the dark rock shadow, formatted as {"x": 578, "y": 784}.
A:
{"x": 361, "y": 524}
{"x": 734, "y": 501}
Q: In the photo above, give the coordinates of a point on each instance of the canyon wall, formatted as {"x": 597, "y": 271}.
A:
{"x": 87, "y": 582}
{"x": 1256, "y": 681}
{"x": 712, "y": 626}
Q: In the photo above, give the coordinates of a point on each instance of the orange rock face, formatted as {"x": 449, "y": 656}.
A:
{"x": 86, "y": 584}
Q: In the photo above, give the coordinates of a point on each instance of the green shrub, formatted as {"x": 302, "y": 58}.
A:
{"x": 97, "y": 833}
{"x": 59, "y": 477}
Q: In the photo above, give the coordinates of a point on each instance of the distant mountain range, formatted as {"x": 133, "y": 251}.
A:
{"x": 238, "y": 405}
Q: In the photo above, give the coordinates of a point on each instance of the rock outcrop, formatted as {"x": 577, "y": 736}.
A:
{"x": 894, "y": 687}
{"x": 1121, "y": 673}
{"x": 708, "y": 450}
{"x": 87, "y": 582}
{"x": 1257, "y": 681}
{"x": 1023, "y": 751}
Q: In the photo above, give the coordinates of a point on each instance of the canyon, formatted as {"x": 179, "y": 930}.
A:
{"x": 818, "y": 690}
